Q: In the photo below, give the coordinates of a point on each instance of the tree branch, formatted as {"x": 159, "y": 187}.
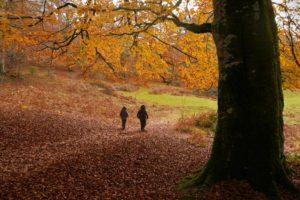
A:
{"x": 195, "y": 28}
{"x": 41, "y": 18}
{"x": 174, "y": 47}
{"x": 99, "y": 55}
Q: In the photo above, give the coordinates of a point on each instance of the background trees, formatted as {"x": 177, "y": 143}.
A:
{"x": 99, "y": 35}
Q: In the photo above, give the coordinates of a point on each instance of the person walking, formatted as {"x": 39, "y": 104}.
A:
{"x": 124, "y": 115}
{"x": 143, "y": 116}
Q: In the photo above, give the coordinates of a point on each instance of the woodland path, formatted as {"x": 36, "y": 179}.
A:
{"x": 47, "y": 155}
{"x": 53, "y": 155}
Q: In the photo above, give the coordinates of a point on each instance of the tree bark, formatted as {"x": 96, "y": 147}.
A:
{"x": 249, "y": 138}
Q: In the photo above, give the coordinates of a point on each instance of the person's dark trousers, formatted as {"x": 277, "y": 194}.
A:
{"x": 143, "y": 124}
{"x": 123, "y": 123}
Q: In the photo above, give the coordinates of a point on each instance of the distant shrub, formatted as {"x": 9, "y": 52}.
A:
{"x": 157, "y": 91}
{"x": 32, "y": 71}
{"x": 50, "y": 73}
{"x": 170, "y": 90}
{"x": 181, "y": 92}
{"x": 199, "y": 138}
{"x": 21, "y": 77}
{"x": 212, "y": 92}
{"x": 127, "y": 88}
{"x": 185, "y": 125}
{"x": 205, "y": 121}
{"x": 293, "y": 158}
{"x": 109, "y": 91}
{"x": 107, "y": 87}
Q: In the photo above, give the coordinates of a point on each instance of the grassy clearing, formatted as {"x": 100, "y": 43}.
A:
{"x": 185, "y": 105}
{"x": 190, "y": 111}
{"x": 191, "y": 105}
{"x": 171, "y": 100}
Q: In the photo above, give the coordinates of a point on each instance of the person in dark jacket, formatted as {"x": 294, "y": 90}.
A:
{"x": 124, "y": 115}
{"x": 143, "y": 116}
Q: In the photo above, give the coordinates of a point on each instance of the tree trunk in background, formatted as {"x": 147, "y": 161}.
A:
{"x": 249, "y": 139}
{"x": 3, "y": 5}
{"x": 3, "y": 54}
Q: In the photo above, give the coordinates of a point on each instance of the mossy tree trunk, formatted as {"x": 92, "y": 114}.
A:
{"x": 249, "y": 138}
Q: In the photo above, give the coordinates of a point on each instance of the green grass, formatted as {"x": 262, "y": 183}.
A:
{"x": 171, "y": 100}
{"x": 186, "y": 105}
{"x": 293, "y": 158}
{"x": 292, "y": 107}
{"x": 292, "y": 100}
{"x": 189, "y": 105}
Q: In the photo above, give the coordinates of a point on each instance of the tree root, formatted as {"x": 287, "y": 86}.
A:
{"x": 207, "y": 177}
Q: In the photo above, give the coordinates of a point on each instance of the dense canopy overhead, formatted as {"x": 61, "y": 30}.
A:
{"x": 155, "y": 39}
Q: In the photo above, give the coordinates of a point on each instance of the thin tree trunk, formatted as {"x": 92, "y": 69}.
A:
{"x": 249, "y": 138}
{"x": 2, "y": 71}
{"x": 2, "y": 65}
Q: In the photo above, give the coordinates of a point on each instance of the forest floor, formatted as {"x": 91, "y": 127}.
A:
{"x": 60, "y": 139}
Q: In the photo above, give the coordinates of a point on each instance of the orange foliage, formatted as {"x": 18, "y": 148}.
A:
{"x": 108, "y": 37}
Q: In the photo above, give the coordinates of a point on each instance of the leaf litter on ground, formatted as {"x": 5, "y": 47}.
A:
{"x": 61, "y": 142}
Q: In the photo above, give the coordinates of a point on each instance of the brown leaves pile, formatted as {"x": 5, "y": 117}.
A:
{"x": 51, "y": 156}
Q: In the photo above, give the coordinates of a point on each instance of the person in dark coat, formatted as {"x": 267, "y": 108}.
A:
{"x": 124, "y": 115}
{"x": 143, "y": 116}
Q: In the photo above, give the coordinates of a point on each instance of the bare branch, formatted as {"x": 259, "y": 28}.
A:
{"x": 174, "y": 47}
{"x": 145, "y": 26}
{"x": 61, "y": 44}
{"x": 290, "y": 23}
{"x": 41, "y": 18}
{"x": 99, "y": 55}
{"x": 195, "y": 28}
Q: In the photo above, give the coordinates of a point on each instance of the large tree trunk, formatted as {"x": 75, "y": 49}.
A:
{"x": 249, "y": 139}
